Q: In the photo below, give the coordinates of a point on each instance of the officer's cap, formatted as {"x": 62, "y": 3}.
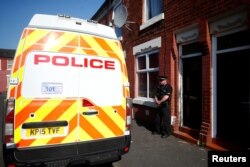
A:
{"x": 162, "y": 78}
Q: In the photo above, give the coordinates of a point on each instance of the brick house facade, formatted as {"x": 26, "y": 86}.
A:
{"x": 204, "y": 49}
{"x": 6, "y": 60}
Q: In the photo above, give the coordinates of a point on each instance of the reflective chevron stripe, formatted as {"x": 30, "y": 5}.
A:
{"x": 110, "y": 120}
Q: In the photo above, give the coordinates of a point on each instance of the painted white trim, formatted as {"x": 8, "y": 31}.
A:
{"x": 145, "y": 102}
{"x": 146, "y": 46}
{"x": 180, "y": 87}
{"x": 214, "y": 88}
{"x": 233, "y": 49}
{"x": 228, "y": 23}
{"x": 188, "y": 35}
{"x": 9, "y": 64}
{"x": 152, "y": 21}
{"x": 147, "y": 70}
{"x": 191, "y": 55}
{"x": 144, "y": 11}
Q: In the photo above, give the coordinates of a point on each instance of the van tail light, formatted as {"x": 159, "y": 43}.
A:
{"x": 128, "y": 113}
{"x": 9, "y": 121}
{"x": 126, "y": 149}
{"x": 11, "y": 165}
{"x": 87, "y": 103}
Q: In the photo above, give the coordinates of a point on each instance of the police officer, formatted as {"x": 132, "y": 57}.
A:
{"x": 163, "y": 115}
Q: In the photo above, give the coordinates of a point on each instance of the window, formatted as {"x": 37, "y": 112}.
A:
{"x": 0, "y": 65}
{"x": 153, "y": 13}
{"x": 118, "y": 32}
{"x": 153, "y": 8}
{"x": 9, "y": 64}
{"x": 189, "y": 49}
{"x": 147, "y": 74}
{"x": 233, "y": 40}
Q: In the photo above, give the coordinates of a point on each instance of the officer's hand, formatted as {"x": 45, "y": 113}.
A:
{"x": 157, "y": 102}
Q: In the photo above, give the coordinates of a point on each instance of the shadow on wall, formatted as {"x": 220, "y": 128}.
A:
{"x": 2, "y": 98}
{"x": 144, "y": 116}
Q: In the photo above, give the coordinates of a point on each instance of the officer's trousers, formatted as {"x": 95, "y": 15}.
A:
{"x": 163, "y": 120}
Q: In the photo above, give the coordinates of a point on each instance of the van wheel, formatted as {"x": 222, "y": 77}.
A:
{"x": 1, "y": 156}
{"x": 107, "y": 165}
{"x": 1, "y": 162}
{"x": 100, "y": 165}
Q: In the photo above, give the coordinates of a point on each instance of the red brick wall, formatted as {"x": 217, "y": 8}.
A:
{"x": 178, "y": 14}
{"x": 204, "y": 39}
{"x": 130, "y": 38}
{"x": 3, "y": 73}
{"x": 145, "y": 115}
{"x": 3, "y": 64}
{"x": 183, "y": 13}
{"x": 136, "y": 37}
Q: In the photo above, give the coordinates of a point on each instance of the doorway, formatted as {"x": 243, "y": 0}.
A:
{"x": 191, "y": 63}
{"x": 233, "y": 96}
{"x": 192, "y": 92}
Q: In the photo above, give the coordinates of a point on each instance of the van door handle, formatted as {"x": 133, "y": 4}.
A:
{"x": 90, "y": 113}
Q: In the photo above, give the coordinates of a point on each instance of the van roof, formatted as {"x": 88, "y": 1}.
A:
{"x": 67, "y": 23}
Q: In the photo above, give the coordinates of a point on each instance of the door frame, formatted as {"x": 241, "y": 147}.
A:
{"x": 214, "y": 73}
{"x": 181, "y": 77}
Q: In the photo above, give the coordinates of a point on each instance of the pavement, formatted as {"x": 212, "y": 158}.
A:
{"x": 149, "y": 150}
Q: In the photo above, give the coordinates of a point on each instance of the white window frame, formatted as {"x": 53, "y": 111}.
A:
{"x": 9, "y": 64}
{"x": 148, "y": 22}
{"x": 146, "y": 47}
{"x": 217, "y": 29}
{"x": 147, "y": 70}
{"x": 214, "y": 72}
{"x": 0, "y": 64}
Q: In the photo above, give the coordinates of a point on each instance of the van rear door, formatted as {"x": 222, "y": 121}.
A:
{"x": 102, "y": 112}
{"x": 49, "y": 96}
{"x": 46, "y": 92}
{"x": 100, "y": 90}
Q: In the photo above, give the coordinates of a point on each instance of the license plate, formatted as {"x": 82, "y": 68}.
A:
{"x": 45, "y": 132}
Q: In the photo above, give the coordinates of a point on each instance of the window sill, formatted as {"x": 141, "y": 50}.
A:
{"x": 149, "y": 102}
{"x": 152, "y": 21}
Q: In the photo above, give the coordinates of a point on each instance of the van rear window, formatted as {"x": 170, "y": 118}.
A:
{"x": 60, "y": 75}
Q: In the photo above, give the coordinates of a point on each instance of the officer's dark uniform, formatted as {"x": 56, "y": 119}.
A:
{"x": 163, "y": 115}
